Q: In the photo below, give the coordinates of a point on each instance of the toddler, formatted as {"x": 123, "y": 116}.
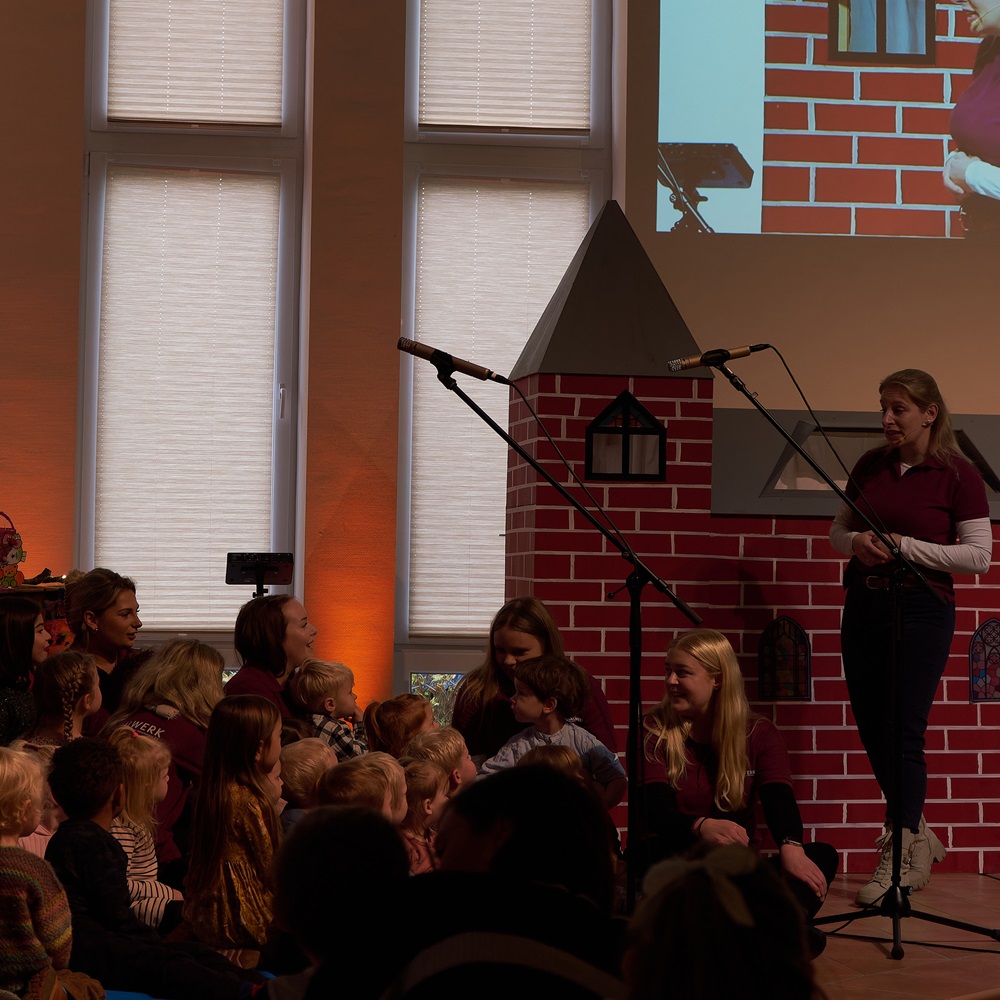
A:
{"x": 391, "y": 724}
{"x": 303, "y": 763}
{"x": 145, "y": 763}
{"x": 34, "y": 911}
{"x": 375, "y": 780}
{"x": 427, "y": 788}
{"x": 548, "y": 691}
{"x": 326, "y": 692}
{"x": 446, "y": 747}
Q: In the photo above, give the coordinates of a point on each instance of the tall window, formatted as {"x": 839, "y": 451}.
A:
{"x": 894, "y": 32}
{"x": 509, "y": 163}
{"x": 191, "y": 288}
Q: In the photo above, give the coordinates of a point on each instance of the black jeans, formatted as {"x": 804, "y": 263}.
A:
{"x": 866, "y": 647}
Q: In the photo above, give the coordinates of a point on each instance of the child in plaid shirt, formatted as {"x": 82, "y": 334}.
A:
{"x": 326, "y": 692}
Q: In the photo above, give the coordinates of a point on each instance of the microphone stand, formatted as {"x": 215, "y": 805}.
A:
{"x": 637, "y": 579}
{"x": 895, "y": 903}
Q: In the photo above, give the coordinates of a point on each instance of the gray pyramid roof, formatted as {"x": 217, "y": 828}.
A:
{"x": 610, "y": 314}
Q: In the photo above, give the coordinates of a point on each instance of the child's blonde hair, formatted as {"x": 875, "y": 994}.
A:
{"x": 317, "y": 680}
{"x": 60, "y": 682}
{"x": 143, "y": 758}
{"x": 22, "y": 779}
{"x": 303, "y": 763}
{"x": 425, "y": 779}
{"x": 445, "y": 746}
{"x": 364, "y": 781}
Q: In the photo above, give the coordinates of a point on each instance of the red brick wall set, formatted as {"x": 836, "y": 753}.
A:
{"x": 856, "y": 148}
{"x": 738, "y": 573}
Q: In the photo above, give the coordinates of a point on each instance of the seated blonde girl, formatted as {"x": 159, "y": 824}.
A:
{"x": 145, "y": 762}
{"x": 427, "y": 788}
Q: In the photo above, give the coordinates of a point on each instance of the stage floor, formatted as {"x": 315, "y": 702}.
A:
{"x": 939, "y": 962}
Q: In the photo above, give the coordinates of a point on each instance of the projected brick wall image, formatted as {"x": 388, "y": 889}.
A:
{"x": 856, "y": 148}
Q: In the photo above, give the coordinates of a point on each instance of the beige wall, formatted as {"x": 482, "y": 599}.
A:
{"x": 353, "y": 317}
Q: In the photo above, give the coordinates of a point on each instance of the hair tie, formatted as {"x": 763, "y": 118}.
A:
{"x": 720, "y": 865}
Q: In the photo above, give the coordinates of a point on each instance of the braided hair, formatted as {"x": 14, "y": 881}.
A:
{"x": 60, "y": 682}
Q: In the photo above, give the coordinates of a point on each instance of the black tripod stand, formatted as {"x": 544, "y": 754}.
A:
{"x": 895, "y": 903}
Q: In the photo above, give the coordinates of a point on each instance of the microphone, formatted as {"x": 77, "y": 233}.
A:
{"x": 435, "y": 356}
{"x": 711, "y": 358}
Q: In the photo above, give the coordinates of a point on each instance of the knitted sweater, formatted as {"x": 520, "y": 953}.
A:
{"x": 35, "y": 927}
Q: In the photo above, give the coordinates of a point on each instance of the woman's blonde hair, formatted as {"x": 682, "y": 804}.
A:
{"x": 143, "y": 758}
{"x": 60, "y": 682}
{"x": 303, "y": 763}
{"x": 22, "y": 779}
{"x": 183, "y": 673}
{"x": 730, "y": 718}
{"x": 481, "y": 685}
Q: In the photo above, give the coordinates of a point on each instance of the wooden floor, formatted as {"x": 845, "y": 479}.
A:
{"x": 938, "y": 963}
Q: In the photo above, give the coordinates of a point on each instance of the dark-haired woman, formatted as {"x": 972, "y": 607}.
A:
{"x": 273, "y": 636}
{"x": 931, "y": 502}
{"x": 24, "y": 644}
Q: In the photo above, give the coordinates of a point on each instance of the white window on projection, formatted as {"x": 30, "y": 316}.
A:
{"x": 187, "y": 448}
{"x": 492, "y": 239}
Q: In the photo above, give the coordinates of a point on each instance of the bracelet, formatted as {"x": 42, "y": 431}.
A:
{"x": 696, "y": 829}
{"x": 791, "y": 843}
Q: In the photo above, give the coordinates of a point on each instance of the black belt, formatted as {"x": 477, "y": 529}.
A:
{"x": 885, "y": 582}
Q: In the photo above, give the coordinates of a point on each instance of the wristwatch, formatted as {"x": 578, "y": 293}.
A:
{"x": 790, "y": 842}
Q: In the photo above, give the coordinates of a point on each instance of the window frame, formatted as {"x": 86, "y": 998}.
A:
{"x": 492, "y": 155}
{"x": 253, "y": 149}
{"x": 881, "y": 56}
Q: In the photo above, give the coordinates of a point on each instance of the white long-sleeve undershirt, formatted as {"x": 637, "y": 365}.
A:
{"x": 971, "y": 554}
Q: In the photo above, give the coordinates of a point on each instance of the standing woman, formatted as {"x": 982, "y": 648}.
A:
{"x": 273, "y": 636}
{"x": 24, "y": 644}
{"x": 103, "y": 614}
{"x": 522, "y": 629}
{"x": 708, "y": 760}
{"x": 931, "y": 503}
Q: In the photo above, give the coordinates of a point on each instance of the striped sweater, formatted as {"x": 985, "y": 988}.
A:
{"x": 149, "y": 896}
{"x": 35, "y": 927}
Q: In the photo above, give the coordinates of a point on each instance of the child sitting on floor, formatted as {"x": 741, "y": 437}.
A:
{"x": 34, "y": 912}
{"x": 427, "y": 788}
{"x": 326, "y": 692}
{"x": 303, "y": 763}
{"x": 548, "y": 691}
{"x": 446, "y": 747}
{"x": 375, "y": 780}
{"x": 391, "y": 724}
{"x": 108, "y": 942}
{"x": 146, "y": 763}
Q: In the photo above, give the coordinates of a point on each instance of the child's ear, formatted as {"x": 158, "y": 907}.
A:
{"x": 428, "y": 806}
{"x": 329, "y": 706}
{"x": 259, "y": 755}
{"x": 549, "y": 705}
{"x": 455, "y": 778}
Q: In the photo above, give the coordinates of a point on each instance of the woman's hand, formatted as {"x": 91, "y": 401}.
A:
{"x": 795, "y": 863}
{"x": 870, "y": 550}
{"x": 954, "y": 173}
{"x": 723, "y": 831}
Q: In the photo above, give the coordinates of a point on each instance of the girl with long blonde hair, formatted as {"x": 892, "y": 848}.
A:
{"x": 708, "y": 759}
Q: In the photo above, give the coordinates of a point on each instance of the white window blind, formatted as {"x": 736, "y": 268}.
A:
{"x": 511, "y": 65}
{"x": 196, "y": 61}
{"x": 489, "y": 256}
{"x": 185, "y": 385}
